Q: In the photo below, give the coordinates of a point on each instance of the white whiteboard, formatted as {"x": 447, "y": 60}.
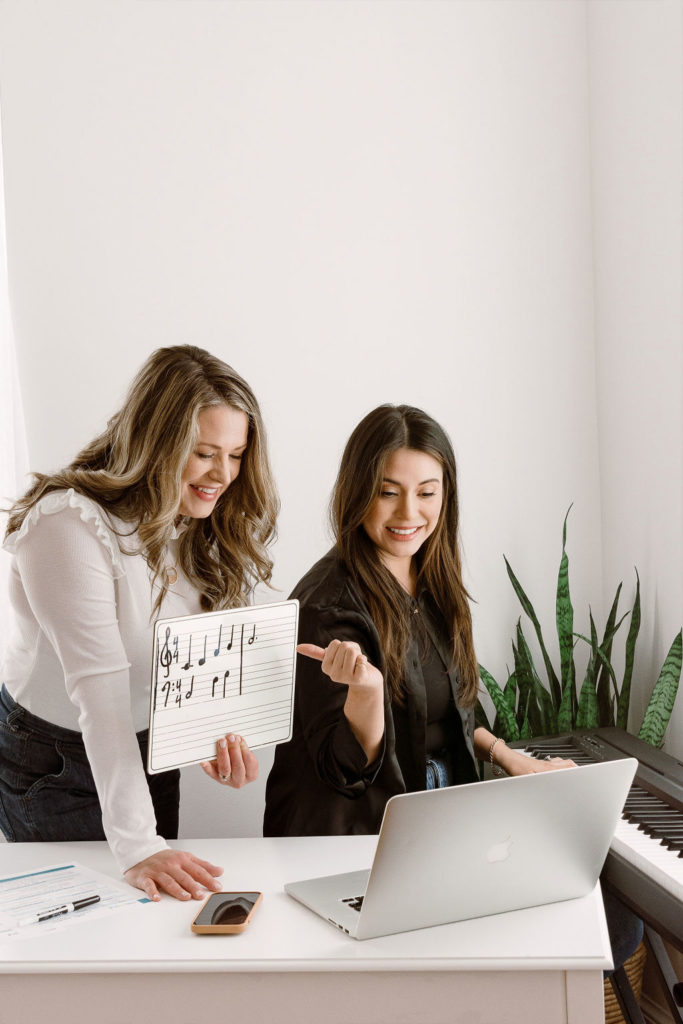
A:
{"x": 219, "y": 672}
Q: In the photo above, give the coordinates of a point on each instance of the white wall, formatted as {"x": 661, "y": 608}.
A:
{"x": 352, "y": 202}
{"x": 636, "y": 76}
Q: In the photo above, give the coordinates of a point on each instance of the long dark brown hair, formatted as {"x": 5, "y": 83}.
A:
{"x": 133, "y": 470}
{"x": 382, "y": 432}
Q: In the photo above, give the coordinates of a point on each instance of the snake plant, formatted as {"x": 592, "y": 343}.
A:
{"x": 526, "y": 706}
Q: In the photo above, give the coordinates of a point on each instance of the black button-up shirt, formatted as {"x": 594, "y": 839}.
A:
{"x": 320, "y": 783}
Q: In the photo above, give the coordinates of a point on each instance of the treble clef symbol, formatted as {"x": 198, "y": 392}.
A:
{"x": 166, "y": 657}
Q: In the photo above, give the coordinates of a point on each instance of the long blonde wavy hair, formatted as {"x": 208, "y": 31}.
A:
{"x": 359, "y": 482}
{"x": 133, "y": 470}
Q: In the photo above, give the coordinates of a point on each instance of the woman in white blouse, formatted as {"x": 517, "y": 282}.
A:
{"x": 167, "y": 513}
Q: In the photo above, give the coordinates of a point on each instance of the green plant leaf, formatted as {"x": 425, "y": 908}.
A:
{"x": 663, "y": 696}
{"x": 625, "y": 694}
{"x": 526, "y": 604}
{"x": 528, "y": 691}
{"x": 510, "y": 691}
{"x": 547, "y": 720}
{"x": 566, "y": 713}
{"x": 587, "y": 714}
{"x": 564, "y": 618}
{"x": 505, "y": 717}
{"x": 604, "y": 691}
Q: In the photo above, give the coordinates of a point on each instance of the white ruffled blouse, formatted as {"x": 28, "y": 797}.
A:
{"x": 80, "y": 654}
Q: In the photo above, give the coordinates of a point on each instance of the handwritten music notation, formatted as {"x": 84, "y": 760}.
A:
{"x": 217, "y": 672}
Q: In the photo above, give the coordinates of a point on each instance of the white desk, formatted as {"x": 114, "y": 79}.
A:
{"x": 142, "y": 964}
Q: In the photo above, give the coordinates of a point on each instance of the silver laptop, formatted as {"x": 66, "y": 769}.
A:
{"x": 484, "y": 848}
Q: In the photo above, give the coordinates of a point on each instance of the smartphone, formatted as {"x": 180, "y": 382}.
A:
{"x": 226, "y": 913}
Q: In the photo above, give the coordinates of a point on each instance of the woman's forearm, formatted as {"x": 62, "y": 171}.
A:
{"x": 364, "y": 712}
{"x": 499, "y": 754}
{"x": 513, "y": 762}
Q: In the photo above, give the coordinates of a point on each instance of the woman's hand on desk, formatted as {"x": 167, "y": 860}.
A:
{"x": 176, "y": 872}
{"x": 234, "y": 764}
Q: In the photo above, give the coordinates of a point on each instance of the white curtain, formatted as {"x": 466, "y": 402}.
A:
{"x": 13, "y": 451}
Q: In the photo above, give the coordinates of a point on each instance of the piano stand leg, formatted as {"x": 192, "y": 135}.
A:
{"x": 621, "y": 987}
{"x": 670, "y": 983}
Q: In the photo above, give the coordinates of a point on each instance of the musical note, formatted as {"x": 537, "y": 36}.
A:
{"x": 253, "y": 636}
{"x": 232, "y": 633}
{"x": 241, "y": 656}
{"x": 203, "y": 657}
{"x": 218, "y": 645}
{"x": 165, "y": 657}
{"x": 189, "y": 656}
{"x": 225, "y": 677}
{"x": 189, "y": 692}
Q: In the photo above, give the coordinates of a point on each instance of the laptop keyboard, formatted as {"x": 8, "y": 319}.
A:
{"x": 354, "y": 902}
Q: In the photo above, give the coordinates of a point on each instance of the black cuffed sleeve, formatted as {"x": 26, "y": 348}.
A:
{"x": 339, "y": 759}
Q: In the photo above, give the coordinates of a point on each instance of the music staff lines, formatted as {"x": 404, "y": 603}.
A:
{"x": 199, "y": 690}
{"x": 203, "y": 730}
{"x": 172, "y": 727}
{"x": 207, "y": 744}
{"x": 183, "y": 649}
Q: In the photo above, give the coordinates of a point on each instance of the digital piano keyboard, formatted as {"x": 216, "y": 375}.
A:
{"x": 645, "y": 864}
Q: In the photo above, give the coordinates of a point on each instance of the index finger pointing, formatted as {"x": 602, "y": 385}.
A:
{"x": 311, "y": 651}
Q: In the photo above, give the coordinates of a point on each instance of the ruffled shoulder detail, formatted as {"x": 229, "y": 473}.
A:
{"x": 89, "y": 511}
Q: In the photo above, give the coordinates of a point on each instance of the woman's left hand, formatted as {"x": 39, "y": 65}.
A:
{"x": 516, "y": 763}
{"x": 234, "y": 764}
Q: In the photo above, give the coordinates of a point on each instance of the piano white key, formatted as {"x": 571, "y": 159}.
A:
{"x": 662, "y": 865}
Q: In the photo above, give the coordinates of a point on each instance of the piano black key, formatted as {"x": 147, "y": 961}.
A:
{"x": 655, "y": 815}
{"x": 662, "y": 824}
{"x": 651, "y": 818}
{"x": 649, "y": 804}
{"x": 660, "y": 831}
{"x": 659, "y": 828}
{"x": 644, "y": 802}
{"x": 665, "y": 827}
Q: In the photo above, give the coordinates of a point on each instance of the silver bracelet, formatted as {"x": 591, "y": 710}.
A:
{"x": 495, "y": 768}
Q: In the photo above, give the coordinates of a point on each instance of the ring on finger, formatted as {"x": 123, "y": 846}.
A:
{"x": 224, "y": 778}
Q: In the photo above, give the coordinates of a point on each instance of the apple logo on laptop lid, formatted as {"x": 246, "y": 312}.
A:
{"x": 499, "y": 851}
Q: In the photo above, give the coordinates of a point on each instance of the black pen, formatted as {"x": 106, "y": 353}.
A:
{"x": 65, "y": 908}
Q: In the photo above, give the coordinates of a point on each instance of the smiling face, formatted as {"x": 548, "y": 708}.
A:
{"x": 215, "y": 460}
{"x": 407, "y": 509}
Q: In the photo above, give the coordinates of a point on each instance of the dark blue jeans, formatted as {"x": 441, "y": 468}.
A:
{"x": 47, "y": 791}
{"x": 439, "y": 771}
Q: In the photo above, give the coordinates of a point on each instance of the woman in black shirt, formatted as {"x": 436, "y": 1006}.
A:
{"x": 387, "y": 678}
